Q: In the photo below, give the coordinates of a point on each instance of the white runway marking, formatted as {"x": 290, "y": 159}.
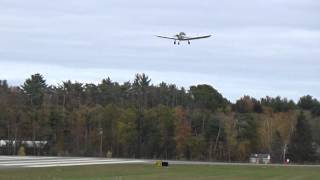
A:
{"x": 15, "y": 161}
{"x": 88, "y": 163}
{"x": 52, "y": 162}
{"x": 48, "y": 160}
{"x": 25, "y": 157}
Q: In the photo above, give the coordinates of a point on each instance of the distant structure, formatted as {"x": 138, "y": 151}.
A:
{"x": 10, "y": 147}
{"x": 28, "y": 144}
{"x": 260, "y": 158}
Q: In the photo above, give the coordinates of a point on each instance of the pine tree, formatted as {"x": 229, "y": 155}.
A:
{"x": 34, "y": 87}
{"x": 277, "y": 148}
{"x": 300, "y": 148}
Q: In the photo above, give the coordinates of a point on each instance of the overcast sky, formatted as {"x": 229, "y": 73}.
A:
{"x": 258, "y": 47}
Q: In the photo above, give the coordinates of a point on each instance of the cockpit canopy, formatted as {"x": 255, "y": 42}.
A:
{"x": 182, "y": 34}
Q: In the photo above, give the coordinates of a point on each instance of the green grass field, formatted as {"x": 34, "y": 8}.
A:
{"x": 144, "y": 171}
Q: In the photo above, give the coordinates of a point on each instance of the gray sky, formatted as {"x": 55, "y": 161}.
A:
{"x": 258, "y": 47}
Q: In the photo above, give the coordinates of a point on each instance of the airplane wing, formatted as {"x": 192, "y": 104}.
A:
{"x": 167, "y": 37}
{"x": 199, "y": 37}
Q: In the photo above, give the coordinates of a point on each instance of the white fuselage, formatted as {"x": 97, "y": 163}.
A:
{"x": 181, "y": 36}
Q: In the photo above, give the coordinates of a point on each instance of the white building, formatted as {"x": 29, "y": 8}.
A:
{"x": 260, "y": 158}
{"x": 28, "y": 144}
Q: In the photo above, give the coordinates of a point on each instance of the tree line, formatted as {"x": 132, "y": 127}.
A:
{"x": 141, "y": 120}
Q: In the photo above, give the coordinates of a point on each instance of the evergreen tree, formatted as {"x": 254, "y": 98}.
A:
{"x": 205, "y": 96}
{"x": 34, "y": 87}
{"x": 277, "y": 146}
{"x": 316, "y": 108}
{"x": 247, "y": 105}
{"x": 307, "y": 102}
{"x": 247, "y": 131}
{"x": 300, "y": 148}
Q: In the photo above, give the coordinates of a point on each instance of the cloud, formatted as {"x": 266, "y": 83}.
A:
{"x": 258, "y": 48}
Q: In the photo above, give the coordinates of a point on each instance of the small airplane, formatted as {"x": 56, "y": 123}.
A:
{"x": 182, "y": 37}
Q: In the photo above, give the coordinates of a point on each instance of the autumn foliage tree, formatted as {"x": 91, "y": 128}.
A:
{"x": 183, "y": 132}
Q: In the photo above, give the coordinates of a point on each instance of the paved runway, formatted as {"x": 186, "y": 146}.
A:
{"x": 30, "y": 161}
{"x": 33, "y": 161}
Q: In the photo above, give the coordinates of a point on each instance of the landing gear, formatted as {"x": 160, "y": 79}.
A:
{"x": 188, "y": 42}
{"x": 175, "y": 42}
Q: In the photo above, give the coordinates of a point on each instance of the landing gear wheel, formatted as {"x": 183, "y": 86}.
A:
{"x": 178, "y": 43}
{"x": 174, "y": 42}
{"x": 188, "y": 42}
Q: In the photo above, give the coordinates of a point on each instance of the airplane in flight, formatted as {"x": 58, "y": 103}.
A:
{"x": 182, "y": 37}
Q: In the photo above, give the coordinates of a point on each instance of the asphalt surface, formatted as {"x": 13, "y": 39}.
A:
{"x": 43, "y": 161}
{"x": 228, "y": 163}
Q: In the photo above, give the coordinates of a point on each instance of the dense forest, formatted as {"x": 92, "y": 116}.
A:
{"x": 138, "y": 119}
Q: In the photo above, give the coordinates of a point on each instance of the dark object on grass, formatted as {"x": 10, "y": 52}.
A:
{"x": 164, "y": 163}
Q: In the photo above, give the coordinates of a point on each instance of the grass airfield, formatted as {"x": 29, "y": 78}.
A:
{"x": 150, "y": 171}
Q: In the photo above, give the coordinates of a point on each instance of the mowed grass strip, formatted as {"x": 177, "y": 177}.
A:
{"x": 145, "y": 171}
